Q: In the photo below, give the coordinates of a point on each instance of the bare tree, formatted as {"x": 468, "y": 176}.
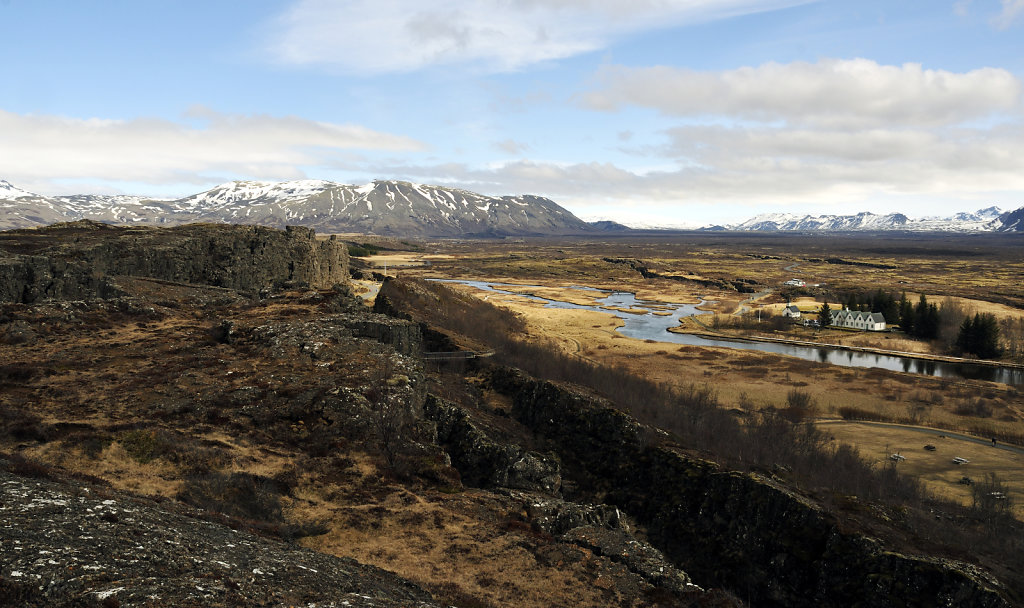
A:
{"x": 390, "y": 413}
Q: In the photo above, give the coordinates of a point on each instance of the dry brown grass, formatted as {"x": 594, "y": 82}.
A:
{"x": 470, "y": 544}
{"x": 936, "y": 469}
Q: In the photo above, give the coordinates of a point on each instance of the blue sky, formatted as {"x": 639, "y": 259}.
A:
{"x": 643, "y": 111}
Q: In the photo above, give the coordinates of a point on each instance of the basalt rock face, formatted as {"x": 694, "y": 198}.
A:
{"x": 77, "y": 260}
{"x": 731, "y": 529}
{"x": 534, "y": 479}
{"x": 484, "y": 463}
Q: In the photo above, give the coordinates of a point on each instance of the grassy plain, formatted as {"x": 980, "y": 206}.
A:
{"x": 980, "y": 272}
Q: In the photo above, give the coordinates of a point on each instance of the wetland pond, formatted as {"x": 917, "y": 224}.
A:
{"x": 643, "y": 324}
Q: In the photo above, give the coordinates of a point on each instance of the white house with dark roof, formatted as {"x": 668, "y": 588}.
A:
{"x": 856, "y": 319}
{"x": 791, "y": 312}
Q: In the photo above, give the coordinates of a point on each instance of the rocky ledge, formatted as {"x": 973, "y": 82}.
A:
{"x": 77, "y": 260}
{"x": 79, "y": 545}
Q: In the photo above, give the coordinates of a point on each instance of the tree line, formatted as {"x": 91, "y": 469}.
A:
{"x": 964, "y": 334}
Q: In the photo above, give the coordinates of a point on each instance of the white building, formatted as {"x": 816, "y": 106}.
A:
{"x": 791, "y": 312}
{"x": 855, "y": 319}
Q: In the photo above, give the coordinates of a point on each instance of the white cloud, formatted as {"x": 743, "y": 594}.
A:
{"x": 371, "y": 36}
{"x": 1012, "y": 9}
{"x": 854, "y": 92}
{"x": 511, "y": 146}
{"x": 962, "y": 7}
{"x": 739, "y": 167}
{"x": 826, "y": 132}
{"x": 206, "y": 145}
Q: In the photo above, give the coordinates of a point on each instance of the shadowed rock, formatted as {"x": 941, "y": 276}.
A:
{"x": 77, "y": 260}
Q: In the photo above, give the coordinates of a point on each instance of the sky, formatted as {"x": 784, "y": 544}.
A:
{"x": 647, "y": 112}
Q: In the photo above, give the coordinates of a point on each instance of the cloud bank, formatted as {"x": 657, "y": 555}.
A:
{"x": 851, "y": 92}
{"x": 203, "y": 146}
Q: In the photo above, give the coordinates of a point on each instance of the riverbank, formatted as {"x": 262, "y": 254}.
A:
{"x": 706, "y": 332}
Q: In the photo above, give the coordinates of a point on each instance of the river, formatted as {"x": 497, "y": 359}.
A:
{"x": 649, "y": 326}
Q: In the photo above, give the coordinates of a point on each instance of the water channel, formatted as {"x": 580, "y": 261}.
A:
{"x": 649, "y": 326}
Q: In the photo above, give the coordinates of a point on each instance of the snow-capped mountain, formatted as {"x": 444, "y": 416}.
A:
{"x": 990, "y": 219}
{"x": 407, "y": 209}
{"x": 381, "y": 207}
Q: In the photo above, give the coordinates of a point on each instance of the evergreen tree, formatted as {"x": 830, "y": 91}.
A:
{"x": 979, "y": 336}
{"x": 825, "y": 315}
{"x": 889, "y": 308}
{"x": 906, "y": 312}
{"x": 926, "y": 320}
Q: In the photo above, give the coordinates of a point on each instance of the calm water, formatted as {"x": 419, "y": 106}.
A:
{"x": 649, "y": 326}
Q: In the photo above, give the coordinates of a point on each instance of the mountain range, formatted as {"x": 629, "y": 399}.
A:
{"x": 392, "y": 208}
{"x": 397, "y": 208}
{"x": 990, "y": 219}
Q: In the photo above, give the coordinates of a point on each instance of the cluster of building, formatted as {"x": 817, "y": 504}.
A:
{"x": 852, "y": 319}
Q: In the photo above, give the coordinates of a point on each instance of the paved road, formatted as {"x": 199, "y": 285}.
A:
{"x": 930, "y": 431}
{"x": 372, "y": 294}
{"x": 743, "y": 305}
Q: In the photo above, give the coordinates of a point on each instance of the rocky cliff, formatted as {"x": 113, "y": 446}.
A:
{"x": 736, "y": 530}
{"x": 77, "y": 260}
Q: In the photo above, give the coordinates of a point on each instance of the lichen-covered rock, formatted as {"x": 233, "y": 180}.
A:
{"x": 76, "y": 260}
{"x": 324, "y": 338}
{"x": 602, "y": 530}
{"x": 90, "y": 547}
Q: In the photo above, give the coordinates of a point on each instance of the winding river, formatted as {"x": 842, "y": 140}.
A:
{"x": 649, "y": 326}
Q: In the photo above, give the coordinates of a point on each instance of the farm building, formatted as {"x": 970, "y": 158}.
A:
{"x": 855, "y": 319}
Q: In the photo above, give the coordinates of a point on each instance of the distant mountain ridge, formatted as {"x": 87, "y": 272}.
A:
{"x": 382, "y": 207}
{"x": 398, "y": 208}
{"x": 990, "y": 219}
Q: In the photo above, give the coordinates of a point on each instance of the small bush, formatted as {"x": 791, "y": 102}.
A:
{"x": 978, "y": 408}
{"x": 241, "y": 495}
{"x": 22, "y": 425}
{"x": 799, "y": 399}
{"x": 142, "y": 445}
{"x": 26, "y": 467}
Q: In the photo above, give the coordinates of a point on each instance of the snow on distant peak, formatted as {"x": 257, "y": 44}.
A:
{"x": 253, "y": 191}
{"x": 9, "y": 191}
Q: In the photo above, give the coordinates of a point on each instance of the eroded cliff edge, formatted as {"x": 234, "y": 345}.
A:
{"x": 78, "y": 260}
{"x": 736, "y": 530}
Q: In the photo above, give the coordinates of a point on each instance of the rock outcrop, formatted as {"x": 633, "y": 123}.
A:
{"x": 732, "y": 529}
{"x": 601, "y": 529}
{"x": 323, "y": 339}
{"x": 485, "y": 463}
{"x": 77, "y": 260}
